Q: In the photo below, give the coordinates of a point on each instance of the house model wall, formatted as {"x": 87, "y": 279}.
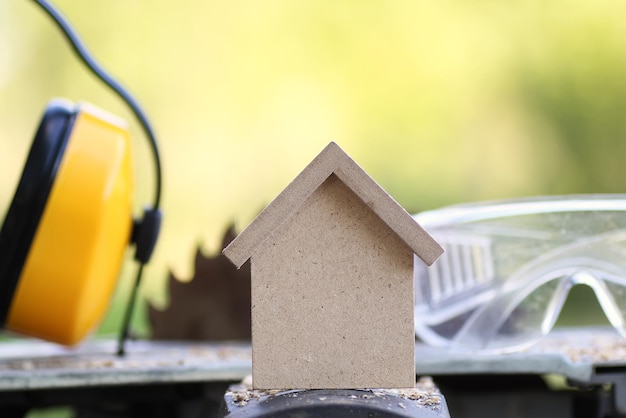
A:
{"x": 332, "y": 281}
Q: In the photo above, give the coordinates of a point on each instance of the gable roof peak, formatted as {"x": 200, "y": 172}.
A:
{"x": 333, "y": 160}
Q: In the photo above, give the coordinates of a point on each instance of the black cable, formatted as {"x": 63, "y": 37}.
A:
{"x": 152, "y": 215}
{"x": 84, "y": 55}
{"x": 128, "y": 314}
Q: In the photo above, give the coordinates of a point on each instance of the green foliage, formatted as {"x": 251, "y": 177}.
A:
{"x": 441, "y": 102}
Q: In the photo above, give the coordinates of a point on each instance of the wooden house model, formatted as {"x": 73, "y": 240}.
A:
{"x": 332, "y": 281}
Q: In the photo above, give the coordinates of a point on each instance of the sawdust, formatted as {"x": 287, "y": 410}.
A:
{"x": 425, "y": 393}
{"x": 241, "y": 398}
{"x": 241, "y": 394}
{"x": 600, "y": 348}
{"x": 161, "y": 358}
{"x": 598, "y": 353}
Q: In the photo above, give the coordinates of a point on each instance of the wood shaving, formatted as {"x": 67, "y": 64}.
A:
{"x": 601, "y": 348}
{"x": 164, "y": 358}
{"x": 241, "y": 398}
{"x": 242, "y": 393}
{"x": 425, "y": 393}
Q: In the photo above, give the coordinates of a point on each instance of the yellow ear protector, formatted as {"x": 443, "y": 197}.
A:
{"x": 64, "y": 236}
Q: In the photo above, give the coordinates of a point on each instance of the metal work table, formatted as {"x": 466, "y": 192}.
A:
{"x": 579, "y": 354}
{"x": 154, "y": 379}
{"x": 588, "y": 364}
{"x": 28, "y": 365}
{"x": 190, "y": 379}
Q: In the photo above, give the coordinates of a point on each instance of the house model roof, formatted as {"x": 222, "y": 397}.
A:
{"x": 333, "y": 160}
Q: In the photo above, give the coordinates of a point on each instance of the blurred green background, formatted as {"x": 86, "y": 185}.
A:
{"x": 441, "y": 102}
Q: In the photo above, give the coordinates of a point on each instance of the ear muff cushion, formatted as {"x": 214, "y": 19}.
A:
{"x": 22, "y": 218}
{"x": 74, "y": 260}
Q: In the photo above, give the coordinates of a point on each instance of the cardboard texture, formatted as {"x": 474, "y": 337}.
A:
{"x": 332, "y": 281}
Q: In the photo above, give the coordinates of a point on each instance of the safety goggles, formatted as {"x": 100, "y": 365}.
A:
{"x": 509, "y": 266}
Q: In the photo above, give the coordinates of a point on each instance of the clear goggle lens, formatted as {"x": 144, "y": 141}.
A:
{"x": 508, "y": 268}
